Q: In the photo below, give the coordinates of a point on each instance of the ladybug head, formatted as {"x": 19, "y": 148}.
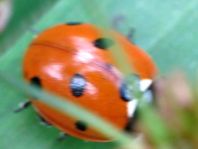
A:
{"x": 128, "y": 91}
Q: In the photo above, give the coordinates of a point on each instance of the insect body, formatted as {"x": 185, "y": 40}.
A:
{"x": 73, "y": 61}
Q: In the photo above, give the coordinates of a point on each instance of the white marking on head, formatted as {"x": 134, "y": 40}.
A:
{"x": 145, "y": 84}
{"x": 131, "y": 107}
{"x": 147, "y": 94}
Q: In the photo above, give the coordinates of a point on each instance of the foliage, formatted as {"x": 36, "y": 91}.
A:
{"x": 167, "y": 30}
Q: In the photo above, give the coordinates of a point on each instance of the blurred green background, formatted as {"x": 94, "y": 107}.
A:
{"x": 167, "y": 30}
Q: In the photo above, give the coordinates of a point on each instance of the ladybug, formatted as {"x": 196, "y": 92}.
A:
{"x": 73, "y": 60}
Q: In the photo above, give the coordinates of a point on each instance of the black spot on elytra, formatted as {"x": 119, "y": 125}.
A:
{"x": 131, "y": 125}
{"x": 81, "y": 126}
{"x": 77, "y": 85}
{"x": 36, "y": 82}
{"x": 73, "y": 23}
{"x": 125, "y": 93}
{"x": 103, "y": 43}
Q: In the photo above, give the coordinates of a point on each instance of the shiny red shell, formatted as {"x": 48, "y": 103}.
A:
{"x": 71, "y": 60}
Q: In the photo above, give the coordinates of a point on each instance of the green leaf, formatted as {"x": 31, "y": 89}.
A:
{"x": 167, "y": 30}
{"x": 24, "y": 14}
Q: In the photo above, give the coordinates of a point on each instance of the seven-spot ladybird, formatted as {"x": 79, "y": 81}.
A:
{"x": 73, "y": 61}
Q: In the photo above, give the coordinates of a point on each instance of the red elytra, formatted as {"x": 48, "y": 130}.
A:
{"x": 73, "y": 61}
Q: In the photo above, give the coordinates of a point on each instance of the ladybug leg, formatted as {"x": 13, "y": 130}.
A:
{"x": 43, "y": 121}
{"x": 131, "y": 125}
{"x": 62, "y": 136}
{"x": 23, "y": 106}
{"x": 116, "y": 21}
{"x": 130, "y": 35}
{"x": 120, "y": 22}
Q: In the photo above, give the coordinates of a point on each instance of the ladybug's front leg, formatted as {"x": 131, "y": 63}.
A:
{"x": 43, "y": 121}
{"x": 23, "y": 106}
